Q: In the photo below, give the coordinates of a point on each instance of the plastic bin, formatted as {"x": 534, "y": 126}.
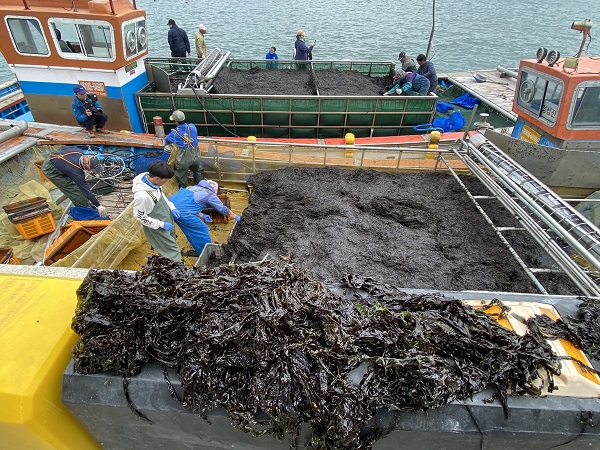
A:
{"x": 72, "y": 237}
{"x": 216, "y": 216}
{"x": 8, "y": 257}
{"x": 36, "y": 227}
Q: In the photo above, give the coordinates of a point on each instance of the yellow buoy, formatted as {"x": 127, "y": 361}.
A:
{"x": 434, "y": 140}
{"x": 349, "y": 141}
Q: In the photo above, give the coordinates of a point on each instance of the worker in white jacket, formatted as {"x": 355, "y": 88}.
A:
{"x": 154, "y": 211}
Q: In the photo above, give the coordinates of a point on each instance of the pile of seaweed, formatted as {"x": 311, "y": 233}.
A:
{"x": 582, "y": 330}
{"x": 298, "y": 82}
{"x": 413, "y": 230}
{"x": 267, "y": 337}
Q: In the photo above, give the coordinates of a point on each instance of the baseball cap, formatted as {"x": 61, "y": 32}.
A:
{"x": 177, "y": 116}
{"x": 202, "y": 27}
{"x": 79, "y": 89}
{"x": 96, "y": 165}
{"x": 401, "y": 55}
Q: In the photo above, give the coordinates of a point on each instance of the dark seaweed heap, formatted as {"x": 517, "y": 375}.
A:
{"x": 298, "y": 82}
{"x": 583, "y": 330}
{"x": 265, "y": 336}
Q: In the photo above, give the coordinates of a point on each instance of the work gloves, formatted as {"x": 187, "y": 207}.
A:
{"x": 176, "y": 213}
{"x": 207, "y": 218}
{"x": 168, "y": 226}
{"x": 102, "y": 212}
{"x": 237, "y": 218}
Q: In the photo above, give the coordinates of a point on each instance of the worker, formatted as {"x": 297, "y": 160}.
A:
{"x": 185, "y": 136}
{"x": 200, "y": 42}
{"x": 66, "y": 169}
{"x": 190, "y": 202}
{"x": 408, "y": 81}
{"x": 408, "y": 64}
{"x": 428, "y": 71}
{"x": 152, "y": 209}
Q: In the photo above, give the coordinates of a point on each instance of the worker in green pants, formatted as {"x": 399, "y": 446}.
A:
{"x": 185, "y": 136}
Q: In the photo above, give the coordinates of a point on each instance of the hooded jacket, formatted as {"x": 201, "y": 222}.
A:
{"x": 144, "y": 199}
{"x": 204, "y": 194}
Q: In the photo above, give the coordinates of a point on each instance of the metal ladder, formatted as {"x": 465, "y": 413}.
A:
{"x": 541, "y": 212}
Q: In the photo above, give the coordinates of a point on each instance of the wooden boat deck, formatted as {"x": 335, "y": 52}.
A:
{"x": 497, "y": 90}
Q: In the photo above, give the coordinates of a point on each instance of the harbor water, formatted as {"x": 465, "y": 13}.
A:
{"x": 469, "y": 34}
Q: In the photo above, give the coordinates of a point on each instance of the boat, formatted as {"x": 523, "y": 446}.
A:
{"x": 105, "y": 49}
{"x": 12, "y": 102}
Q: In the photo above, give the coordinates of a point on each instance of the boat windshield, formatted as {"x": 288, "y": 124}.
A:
{"x": 27, "y": 36}
{"x": 540, "y": 96}
{"x": 585, "y": 112}
{"x": 84, "y": 39}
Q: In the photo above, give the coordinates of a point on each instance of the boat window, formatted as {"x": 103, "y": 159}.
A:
{"x": 27, "y": 36}
{"x": 585, "y": 111}
{"x": 540, "y": 96}
{"x": 83, "y": 39}
{"x": 135, "y": 38}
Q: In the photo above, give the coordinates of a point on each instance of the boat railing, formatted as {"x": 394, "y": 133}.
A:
{"x": 233, "y": 161}
{"x": 569, "y": 238}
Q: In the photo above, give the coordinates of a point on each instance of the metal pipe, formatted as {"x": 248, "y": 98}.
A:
{"x": 16, "y": 130}
{"x": 26, "y": 5}
{"x": 112, "y": 7}
{"x": 487, "y": 218}
{"x": 549, "y": 207}
{"x": 575, "y": 273}
{"x": 213, "y": 72}
{"x": 134, "y": 5}
{"x": 507, "y": 72}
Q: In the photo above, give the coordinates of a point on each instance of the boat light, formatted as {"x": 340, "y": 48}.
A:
{"x": 582, "y": 25}
{"x": 541, "y": 54}
{"x": 553, "y": 57}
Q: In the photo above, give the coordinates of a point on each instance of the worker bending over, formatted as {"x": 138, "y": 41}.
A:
{"x": 190, "y": 202}
{"x": 66, "y": 169}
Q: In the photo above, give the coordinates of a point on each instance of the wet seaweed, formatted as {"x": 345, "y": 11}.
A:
{"x": 277, "y": 348}
{"x": 582, "y": 330}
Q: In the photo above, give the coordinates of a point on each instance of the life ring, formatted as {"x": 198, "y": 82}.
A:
{"x": 527, "y": 91}
{"x": 142, "y": 37}
{"x": 130, "y": 41}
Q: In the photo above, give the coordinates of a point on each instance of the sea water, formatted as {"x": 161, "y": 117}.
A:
{"x": 468, "y": 34}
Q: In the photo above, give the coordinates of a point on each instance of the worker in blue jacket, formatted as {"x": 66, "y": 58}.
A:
{"x": 185, "y": 137}
{"x": 190, "y": 202}
{"x": 178, "y": 40}
{"x": 271, "y": 55}
{"x": 428, "y": 71}
{"x": 66, "y": 169}
{"x": 408, "y": 81}
{"x": 88, "y": 112}
{"x": 302, "y": 51}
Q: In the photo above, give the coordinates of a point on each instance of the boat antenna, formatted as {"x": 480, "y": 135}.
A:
{"x": 74, "y": 5}
{"x": 432, "y": 30}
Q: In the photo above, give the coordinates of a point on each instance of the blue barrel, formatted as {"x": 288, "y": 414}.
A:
{"x": 142, "y": 163}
